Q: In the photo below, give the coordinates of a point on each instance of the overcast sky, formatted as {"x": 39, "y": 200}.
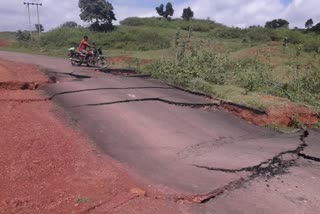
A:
{"x": 241, "y": 13}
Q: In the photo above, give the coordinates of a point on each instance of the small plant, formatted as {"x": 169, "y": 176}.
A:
{"x": 82, "y": 200}
{"x": 317, "y": 125}
{"x": 295, "y": 122}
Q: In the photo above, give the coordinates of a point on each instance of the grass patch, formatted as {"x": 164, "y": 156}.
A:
{"x": 317, "y": 125}
{"x": 246, "y": 80}
{"x": 195, "y": 24}
{"x": 124, "y": 38}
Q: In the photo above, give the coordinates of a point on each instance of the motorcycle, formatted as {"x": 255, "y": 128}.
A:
{"x": 95, "y": 59}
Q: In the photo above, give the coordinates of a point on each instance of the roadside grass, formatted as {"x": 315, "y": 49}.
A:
{"x": 8, "y": 36}
{"x": 317, "y": 125}
{"x": 244, "y": 79}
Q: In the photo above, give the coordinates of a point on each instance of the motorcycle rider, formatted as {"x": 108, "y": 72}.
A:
{"x": 84, "y": 45}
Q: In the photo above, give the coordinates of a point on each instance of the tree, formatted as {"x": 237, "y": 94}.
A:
{"x": 277, "y": 23}
{"x": 23, "y": 36}
{"x": 309, "y": 24}
{"x": 70, "y": 24}
{"x": 187, "y": 14}
{"x": 39, "y": 27}
{"x": 98, "y": 12}
{"x": 165, "y": 13}
{"x": 160, "y": 10}
{"x": 316, "y": 28}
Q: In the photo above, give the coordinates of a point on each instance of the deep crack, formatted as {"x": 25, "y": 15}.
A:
{"x": 114, "y": 88}
{"x": 270, "y": 167}
{"x": 274, "y": 166}
{"x": 203, "y": 198}
{"x": 21, "y": 85}
{"x": 191, "y": 105}
{"x": 305, "y": 156}
{"x": 25, "y": 100}
{"x": 54, "y": 74}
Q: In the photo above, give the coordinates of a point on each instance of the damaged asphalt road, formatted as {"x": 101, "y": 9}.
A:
{"x": 184, "y": 142}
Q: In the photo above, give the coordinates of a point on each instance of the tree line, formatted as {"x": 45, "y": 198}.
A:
{"x": 100, "y": 15}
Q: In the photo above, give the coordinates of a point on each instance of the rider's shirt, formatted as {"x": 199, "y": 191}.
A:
{"x": 83, "y": 45}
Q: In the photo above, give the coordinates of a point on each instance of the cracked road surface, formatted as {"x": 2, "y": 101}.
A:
{"x": 175, "y": 139}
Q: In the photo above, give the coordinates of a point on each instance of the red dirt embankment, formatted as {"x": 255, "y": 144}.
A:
{"x": 285, "y": 115}
{"x": 48, "y": 167}
{"x": 4, "y": 43}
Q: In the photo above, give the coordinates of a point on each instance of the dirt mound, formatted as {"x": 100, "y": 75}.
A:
{"x": 19, "y": 72}
{"x": 269, "y": 53}
{"x": 4, "y": 43}
{"x": 48, "y": 167}
{"x": 20, "y": 85}
{"x": 285, "y": 115}
{"x": 14, "y": 76}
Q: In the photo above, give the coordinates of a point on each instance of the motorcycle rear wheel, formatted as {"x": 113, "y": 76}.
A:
{"x": 75, "y": 63}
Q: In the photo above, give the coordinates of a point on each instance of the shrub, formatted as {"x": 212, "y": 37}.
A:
{"x": 229, "y": 33}
{"x": 201, "y": 69}
{"x": 23, "y": 36}
{"x": 195, "y": 24}
{"x": 132, "y": 21}
{"x": 312, "y": 43}
{"x": 128, "y": 39}
{"x": 259, "y": 34}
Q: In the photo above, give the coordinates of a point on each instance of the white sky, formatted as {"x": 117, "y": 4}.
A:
{"x": 241, "y": 13}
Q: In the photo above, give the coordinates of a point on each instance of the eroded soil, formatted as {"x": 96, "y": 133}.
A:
{"x": 48, "y": 167}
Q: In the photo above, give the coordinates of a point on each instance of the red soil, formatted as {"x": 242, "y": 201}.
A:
{"x": 48, "y": 167}
{"x": 272, "y": 50}
{"x": 4, "y": 43}
{"x": 11, "y": 72}
{"x": 280, "y": 115}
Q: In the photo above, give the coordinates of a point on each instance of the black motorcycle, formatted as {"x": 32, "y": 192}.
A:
{"x": 94, "y": 59}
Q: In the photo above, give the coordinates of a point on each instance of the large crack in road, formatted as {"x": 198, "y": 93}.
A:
{"x": 277, "y": 165}
{"x": 108, "y": 88}
{"x": 271, "y": 166}
{"x": 183, "y": 104}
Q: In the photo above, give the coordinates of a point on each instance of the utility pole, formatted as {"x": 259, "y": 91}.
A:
{"x": 30, "y": 27}
{"x": 39, "y": 28}
{"x": 28, "y": 6}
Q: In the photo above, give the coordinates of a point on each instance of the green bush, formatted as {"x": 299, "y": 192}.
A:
{"x": 296, "y": 37}
{"x": 259, "y": 34}
{"x": 127, "y": 39}
{"x": 199, "y": 70}
{"x": 229, "y": 33}
{"x": 23, "y": 36}
{"x": 195, "y": 24}
{"x": 133, "y": 21}
{"x": 312, "y": 43}
{"x": 213, "y": 68}
{"x": 248, "y": 35}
